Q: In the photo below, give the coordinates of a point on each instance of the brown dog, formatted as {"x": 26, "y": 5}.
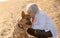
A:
{"x": 23, "y": 25}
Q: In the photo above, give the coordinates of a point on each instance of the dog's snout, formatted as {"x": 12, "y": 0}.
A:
{"x": 29, "y": 23}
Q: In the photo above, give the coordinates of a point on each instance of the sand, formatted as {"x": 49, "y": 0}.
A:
{"x": 10, "y": 11}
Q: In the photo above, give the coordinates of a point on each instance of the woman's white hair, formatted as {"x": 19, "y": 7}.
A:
{"x": 32, "y": 7}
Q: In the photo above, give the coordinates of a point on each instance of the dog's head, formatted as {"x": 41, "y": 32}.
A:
{"x": 25, "y": 21}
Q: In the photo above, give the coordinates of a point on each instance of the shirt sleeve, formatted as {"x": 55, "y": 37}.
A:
{"x": 39, "y": 22}
{"x": 51, "y": 27}
{"x": 42, "y": 21}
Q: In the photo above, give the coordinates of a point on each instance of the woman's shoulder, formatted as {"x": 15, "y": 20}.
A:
{"x": 41, "y": 12}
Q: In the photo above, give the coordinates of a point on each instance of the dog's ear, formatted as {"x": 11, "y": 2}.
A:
{"x": 23, "y": 14}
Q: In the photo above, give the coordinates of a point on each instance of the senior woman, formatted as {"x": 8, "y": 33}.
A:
{"x": 42, "y": 24}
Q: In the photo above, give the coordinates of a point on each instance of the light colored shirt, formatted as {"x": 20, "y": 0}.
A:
{"x": 43, "y": 21}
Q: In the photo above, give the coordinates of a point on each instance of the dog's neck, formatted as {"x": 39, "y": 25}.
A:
{"x": 21, "y": 26}
{"x": 24, "y": 27}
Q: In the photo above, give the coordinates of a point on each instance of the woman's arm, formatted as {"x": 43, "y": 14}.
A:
{"x": 52, "y": 27}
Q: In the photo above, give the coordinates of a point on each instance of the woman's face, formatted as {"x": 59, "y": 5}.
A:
{"x": 31, "y": 14}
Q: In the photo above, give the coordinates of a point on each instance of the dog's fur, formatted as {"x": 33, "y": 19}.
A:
{"x": 23, "y": 25}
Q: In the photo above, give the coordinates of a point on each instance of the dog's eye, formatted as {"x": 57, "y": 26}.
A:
{"x": 27, "y": 18}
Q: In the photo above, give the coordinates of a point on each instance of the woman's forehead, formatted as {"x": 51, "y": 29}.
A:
{"x": 29, "y": 6}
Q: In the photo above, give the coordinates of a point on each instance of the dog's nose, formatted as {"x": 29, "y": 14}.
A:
{"x": 29, "y": 23}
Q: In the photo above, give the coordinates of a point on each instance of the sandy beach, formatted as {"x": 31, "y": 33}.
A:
{"x": 10, "y": 11}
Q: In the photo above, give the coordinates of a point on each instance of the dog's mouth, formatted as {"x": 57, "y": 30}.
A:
{"x": 28, "y": 23}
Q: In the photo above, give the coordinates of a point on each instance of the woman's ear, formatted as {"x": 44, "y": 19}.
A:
{"x": 23, "y": 14}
